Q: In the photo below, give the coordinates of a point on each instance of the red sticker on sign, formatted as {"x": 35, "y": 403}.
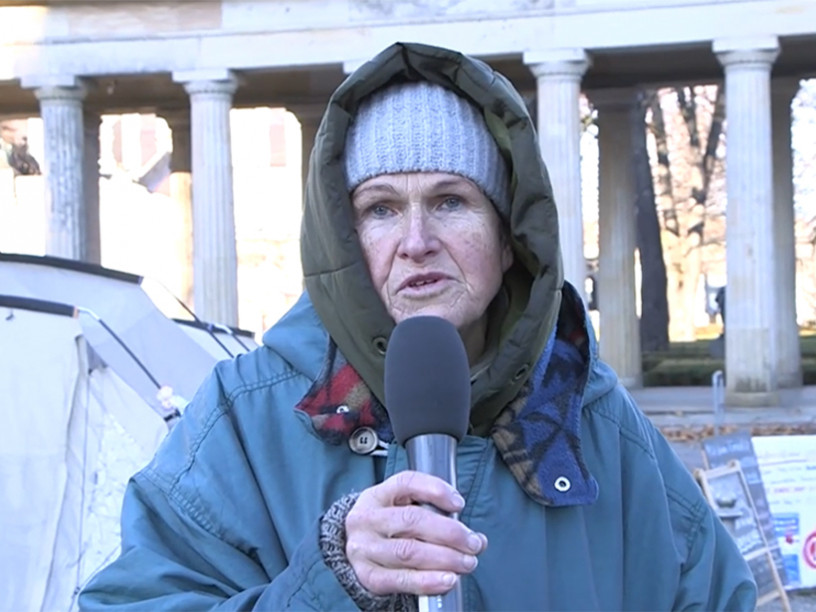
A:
{"x": 809, "y": 550}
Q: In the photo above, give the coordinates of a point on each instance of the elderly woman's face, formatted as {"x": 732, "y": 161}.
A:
{"x": 432, "y": 242}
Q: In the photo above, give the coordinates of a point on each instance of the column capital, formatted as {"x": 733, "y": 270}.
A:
{"x": 748, "y": 50}
{"x": 572, "y": 62}
{"x": 614, "y": 98}
{"x": 211, "y": 80}
{"x": 70, "y": 90}
{"x": 37, "y": 81}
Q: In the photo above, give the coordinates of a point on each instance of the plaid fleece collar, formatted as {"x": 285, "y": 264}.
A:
{"x": 538, "y": 435}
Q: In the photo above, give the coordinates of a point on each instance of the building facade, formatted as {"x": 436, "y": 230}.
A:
{"x": 191, "y": 62}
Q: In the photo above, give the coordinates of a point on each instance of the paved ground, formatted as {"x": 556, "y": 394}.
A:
{"x": 687, "y": 415}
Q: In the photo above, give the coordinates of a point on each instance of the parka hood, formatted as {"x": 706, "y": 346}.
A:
{"x": 334, "y": 268}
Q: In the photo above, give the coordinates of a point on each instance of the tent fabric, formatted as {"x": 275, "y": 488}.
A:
{"x": 219, "y": 343}
{"x": 33, "y": 447}
{"x": 126, "y": 309}
{"x": 80, "y": 416}
{"x": 67, "y": 449}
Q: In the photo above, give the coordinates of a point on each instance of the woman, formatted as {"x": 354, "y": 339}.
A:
{"x": 280, "y": 487}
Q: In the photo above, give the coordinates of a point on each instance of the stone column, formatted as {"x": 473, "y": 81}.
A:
{"x": 619, "y": 328}
{"x": 63, "y": 166}
{"x": 309, "y": 117}
{"x": 789, "y": 355}
{"x": 181, "y": 193}
{"x": 750, "y": 327}
{"x": 91, "y": 153}
{"x": 558, "y": 74}
{"x": 215, "y": 259}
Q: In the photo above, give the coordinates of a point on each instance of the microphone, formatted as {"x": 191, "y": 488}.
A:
{"x": 427, "y": 396}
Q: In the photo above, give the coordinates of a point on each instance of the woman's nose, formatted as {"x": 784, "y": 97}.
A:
{"x": 419, "y": 237}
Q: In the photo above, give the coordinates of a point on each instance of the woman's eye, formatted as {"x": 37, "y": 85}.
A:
{"x": 378, "y": 211}
{"x": 451, "y": 203}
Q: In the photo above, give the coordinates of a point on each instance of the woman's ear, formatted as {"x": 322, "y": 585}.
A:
{"x": 507, "y": 254}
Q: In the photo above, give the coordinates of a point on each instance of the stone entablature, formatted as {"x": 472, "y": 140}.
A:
{"x": 120, "y": 38}
{"x": 210, "y": 57}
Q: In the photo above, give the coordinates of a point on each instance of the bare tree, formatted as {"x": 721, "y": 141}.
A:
{"x": 688, "y": 157}
{"x": 654, "y": 318}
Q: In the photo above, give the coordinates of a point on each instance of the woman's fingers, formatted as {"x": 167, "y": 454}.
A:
{"x": 385, "y": 581}
{"x": 398, "y": 546}
{"x": 402, "y": 553}
{"x": 411, "y": 487}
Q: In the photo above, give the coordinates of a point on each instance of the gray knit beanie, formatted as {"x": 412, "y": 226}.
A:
{"x": 423, "y": 127}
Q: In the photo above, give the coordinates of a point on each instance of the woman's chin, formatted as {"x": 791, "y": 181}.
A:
{"x": 430, "y": 311}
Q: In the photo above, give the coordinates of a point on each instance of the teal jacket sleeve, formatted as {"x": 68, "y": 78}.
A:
{"x": 198, "y": 532}
{"x": 170, "y": 562}
{"x": 714, "y": 575}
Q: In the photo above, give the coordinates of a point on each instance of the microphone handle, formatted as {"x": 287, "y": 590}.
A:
{"x": 435, "y": 454}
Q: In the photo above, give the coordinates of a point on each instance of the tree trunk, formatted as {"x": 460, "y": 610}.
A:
{"x": 654, "y": 309}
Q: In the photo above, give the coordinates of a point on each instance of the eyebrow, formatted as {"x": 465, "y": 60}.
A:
{"x": 377, "y": 187}
{"x": 453, "y": 183}
{"x": 442, "y": 185}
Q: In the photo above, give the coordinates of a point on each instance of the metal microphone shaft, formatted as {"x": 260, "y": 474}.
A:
{"x": 435, "y": 454}
{"x": 427, "y": 393}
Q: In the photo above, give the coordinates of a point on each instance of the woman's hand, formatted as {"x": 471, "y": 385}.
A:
{"x": 396, "y": 546}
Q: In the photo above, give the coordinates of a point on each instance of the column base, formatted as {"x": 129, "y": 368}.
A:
{"x": 790, "y": 380}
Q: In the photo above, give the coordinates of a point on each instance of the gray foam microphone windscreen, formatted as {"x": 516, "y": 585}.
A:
{"x": 427, "y": 379}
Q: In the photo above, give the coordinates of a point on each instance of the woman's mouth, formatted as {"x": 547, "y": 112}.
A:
{"x": 421, "y": 282}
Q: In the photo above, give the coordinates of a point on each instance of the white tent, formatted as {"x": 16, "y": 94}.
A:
{"x": 73, "y": 432}
{"x": 131, "y": 335}
{"x": 218, "y": 339}
{"x": 85, "y": 365}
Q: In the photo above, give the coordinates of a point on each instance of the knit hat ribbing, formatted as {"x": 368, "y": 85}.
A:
{"x": 423, "y": 127}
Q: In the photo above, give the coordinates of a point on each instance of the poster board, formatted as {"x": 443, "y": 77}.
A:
{"x": 726, "y": 491}
{"x": 788, "y": 468}
{"x": 717, "y": 452}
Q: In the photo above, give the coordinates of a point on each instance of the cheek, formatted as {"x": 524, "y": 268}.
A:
{"x": 374, "y": 253}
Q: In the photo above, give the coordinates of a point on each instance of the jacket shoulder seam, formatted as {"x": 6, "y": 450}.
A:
{"x": 271, "y": 381}
{"x": 632, "y": 435}
{"x": 694, "y": 510}
{"x": 169, "y": 485}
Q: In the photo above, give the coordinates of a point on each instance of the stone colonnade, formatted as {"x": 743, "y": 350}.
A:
{"x": 762, "y": 350}
{"x": 215, "y": 258}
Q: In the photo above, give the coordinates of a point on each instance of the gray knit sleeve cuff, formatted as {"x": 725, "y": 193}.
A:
{"x": 333, "y": 548}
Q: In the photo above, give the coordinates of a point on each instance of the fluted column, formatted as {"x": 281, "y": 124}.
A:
{"x": 750, "y": 327}
{"x": 91, "y": 152}
{"x": 63, "y": 166}
{"x": 789, "y": 355}
{"x": 182, "y": 195}
{"x": 620, "y": 332}
{"x": 309, "y": 117}
{"x": 215, "y": 259}
{"x": 558, "y": 74}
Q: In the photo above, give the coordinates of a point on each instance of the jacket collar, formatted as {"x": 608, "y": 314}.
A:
{"x": 538, "y": 434}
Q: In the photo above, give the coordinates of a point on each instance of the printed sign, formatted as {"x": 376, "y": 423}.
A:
{"x": 727, "y": 492}
{"x": 717, "y": 452}
{"x": 788, "y": 468}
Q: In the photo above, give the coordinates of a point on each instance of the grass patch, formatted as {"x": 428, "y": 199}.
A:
{"x": 691, "y": 364}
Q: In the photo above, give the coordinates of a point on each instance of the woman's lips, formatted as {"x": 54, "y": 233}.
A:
{"x": 421, "y": 282}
